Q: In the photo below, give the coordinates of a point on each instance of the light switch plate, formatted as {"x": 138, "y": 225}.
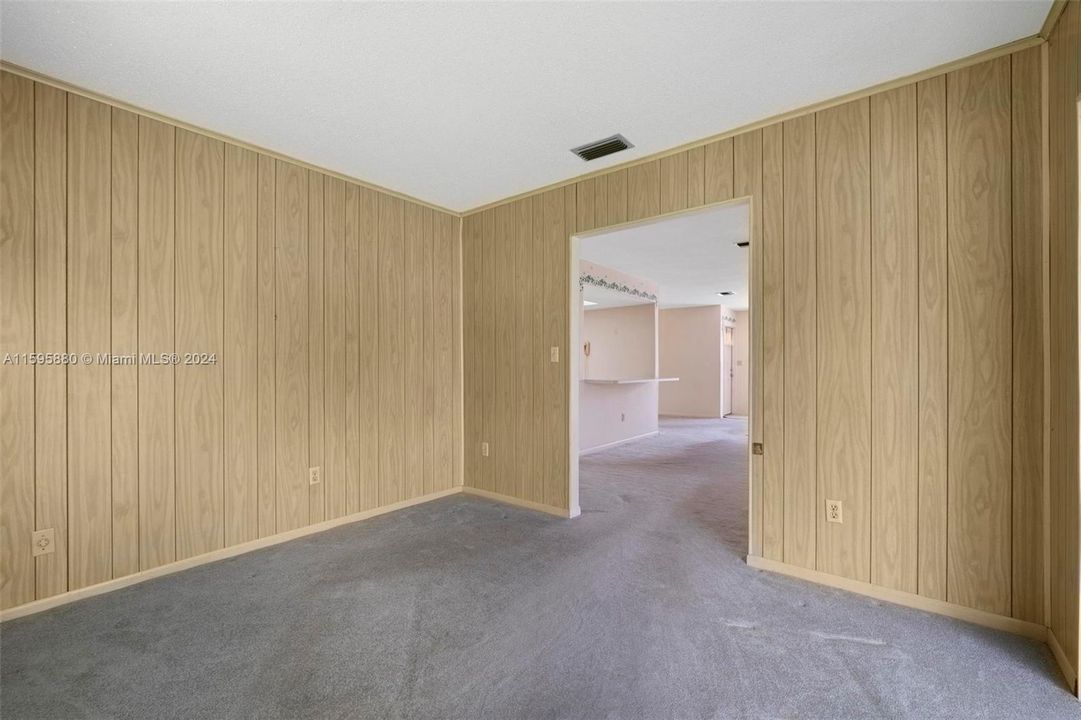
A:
{"x": 44, "y": 541}
{"x": 314, "y": 476}
{"x": 484, "y": 449}
{"x": 554, "y": 354}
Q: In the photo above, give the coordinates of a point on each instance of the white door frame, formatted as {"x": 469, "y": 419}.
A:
{"x": 574, "y": 304}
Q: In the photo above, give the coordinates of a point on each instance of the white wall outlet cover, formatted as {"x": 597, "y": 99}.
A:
{"x": 44, "y": 541}
{"x": 554, "y": 353}
{"x": 834, "y": 511}
{"x": 314, "y": 476}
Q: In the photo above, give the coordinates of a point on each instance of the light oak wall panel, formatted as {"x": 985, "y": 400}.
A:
{"x": 981, "y": 374}
{"x": 124, "y": 331}
{"x": 844, "y": 337}
{"x": 89, "y": 314}
{"x": 157, "y": 393}
{"x": 126, "y": 237}
{"x": 801, "y": 509}
{"x": 240, "y": 361}
{"x": 1064, "y": 83}
{"x": 933, "y": 336}
{"x": 895, "y": 341}
{"x": 771, "y": 366}
{"x": 868, "y": 281}
{"x": 266, "y": 278}
{"x": 200, "y": 297}
{"x": 334, "y": 303}
{"x": 17, "y": 578}
{"x": 1028, "y": 519}
{"x": 50, "y": 334}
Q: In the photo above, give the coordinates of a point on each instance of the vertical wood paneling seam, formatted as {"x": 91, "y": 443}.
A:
{"x": 818, "y": 352}
{"x": 946, "y": 310}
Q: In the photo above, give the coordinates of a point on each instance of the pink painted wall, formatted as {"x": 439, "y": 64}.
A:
{"x": 689, "y": 347}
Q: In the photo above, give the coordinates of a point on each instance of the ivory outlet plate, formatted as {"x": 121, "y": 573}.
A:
{"x": 43, "y": 541}
{"x": 314, "y": 476}
{"x": 834, "y": 511}
{"x": 484, "y": 449}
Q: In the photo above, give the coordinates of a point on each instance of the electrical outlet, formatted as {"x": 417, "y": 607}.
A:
{"x": 554, "y": 353}
{"x": 314, "y": 476}
{"x": 44, "y": 541}
{"x": 484, "y": 449}
{"x": 834, "y": 511}
{"x": 623, "y": 417}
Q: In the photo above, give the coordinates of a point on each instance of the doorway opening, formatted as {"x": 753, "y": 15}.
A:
{"x": 662, "y": 347}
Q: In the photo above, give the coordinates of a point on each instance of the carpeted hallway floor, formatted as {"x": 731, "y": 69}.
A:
{"x": 463, "y": 608}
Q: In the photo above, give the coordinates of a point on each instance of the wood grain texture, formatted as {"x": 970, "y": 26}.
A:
{"x": 89, "y": 312}
{"x": 933, "y": 337}
{"x": 368, "y": 377}
{"x": 141, "y": 244}
{"x": 617, "y": 197}
{"x": 980, "y": 376}
{"x": 391, "y": 349}
{"x": 266, "y": 278}
{"x": 554, "y": 238}
{"x": 124, "y": 331}
{"x": 458, "y": 352}
{"x": 157, "y": 392}
{"x": 50, "y": 333}
{"x": 334, "y": 469}
{"x": 316, "y": 349}
{"x": 586, "y": 192}
{"x": 524, "y": 350}
{"x": 747, "y": 179}
{"x": 17, "y": 579}
{"x": 240, "y": 359}
{"x": 1027, "y": 520}
{"x": 696, "y": 177}
{"x": 427, "y": 395}
{"x": 413, "y": 351}
{"x": 354, "y": 326}
{"x": 1064, "y": 82}
{"x": 673, "y": 172}
{"x": 895, "y": 341}
{"x": 200, "y": 298}
{"x": 444, "y": 351}
{"x": 844, "y": 337}
{"x": 486, "y": 346}
{"x": 773, "y": 342}
{"x": 503, "y": 446}
{"x": 541, "y": 237}
{"x": 291, "y": 353}
{"x": 643, "y": 190}
{"x": 719, "y": 171}
{"x": 801, "y": 344}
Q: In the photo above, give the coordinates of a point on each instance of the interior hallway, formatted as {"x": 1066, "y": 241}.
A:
{"x": 641, "y": 608}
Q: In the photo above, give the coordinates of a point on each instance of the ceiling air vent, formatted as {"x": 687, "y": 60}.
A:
{"x": 600, "y": 148}
{"x": 745, "y": 243}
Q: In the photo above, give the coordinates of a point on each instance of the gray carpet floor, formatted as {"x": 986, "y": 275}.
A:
{"x": 464, "y": 608}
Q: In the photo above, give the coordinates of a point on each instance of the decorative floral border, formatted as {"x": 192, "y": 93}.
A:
{"x": 586, "y": 279}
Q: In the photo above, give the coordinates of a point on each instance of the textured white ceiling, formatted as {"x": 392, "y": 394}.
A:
{"x": 691, "y": 257}
{"x": 461, "y": 104}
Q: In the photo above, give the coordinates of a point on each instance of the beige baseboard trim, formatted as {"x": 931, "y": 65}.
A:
{"x": 899, "y": 597}
{"x": 509, "y": 500}
{"x": 1064, "y": 665}
{"x": 617, "y": 443}
{"x": 37, "y": 606}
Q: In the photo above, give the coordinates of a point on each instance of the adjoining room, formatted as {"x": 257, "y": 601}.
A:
{"x": 540, "y": 360}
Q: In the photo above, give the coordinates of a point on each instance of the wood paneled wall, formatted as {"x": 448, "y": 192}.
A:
{"x": 1064, "y": 88}
{"x": 897, "y": 285}
{"x": 332, "y": 311}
